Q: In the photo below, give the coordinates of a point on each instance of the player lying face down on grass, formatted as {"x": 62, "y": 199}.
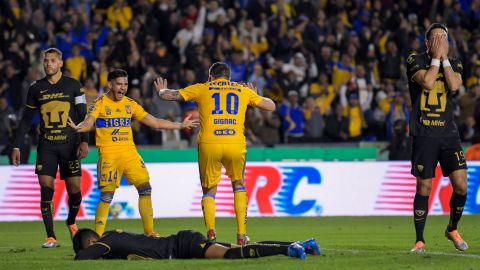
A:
{"x": 88, "y": 245}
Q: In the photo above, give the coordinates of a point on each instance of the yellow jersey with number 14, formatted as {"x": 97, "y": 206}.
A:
{"x": 222, "y": 105}
{"x": 113, "y": 120}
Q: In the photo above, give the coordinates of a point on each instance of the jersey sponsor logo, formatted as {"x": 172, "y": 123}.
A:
{"x": 55, "y": 137}
{"x": 117, "y": 132}
{"x": 119, "y": 139}
{"x": 53, "y": 96}
{"x": 224, "y": 132}
{"x": 398, "y": 191}
{"x": 271, "y": 190}
{"x": 113, "y": 122}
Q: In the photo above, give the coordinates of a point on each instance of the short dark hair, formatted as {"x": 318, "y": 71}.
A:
{"x": 81, "y": 238}
{"x": 117, "y": 73}
{"x": 433, "y": 26}
{"x": 55, "y": 51}
{"x": 219, "y": 70}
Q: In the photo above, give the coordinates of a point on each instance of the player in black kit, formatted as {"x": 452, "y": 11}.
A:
{"x": 433, "y": 79}
{"x": 88, "y": 245}
{"x": 56, "y": 97}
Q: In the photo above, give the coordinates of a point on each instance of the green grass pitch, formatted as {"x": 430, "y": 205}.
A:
{"x": 346, "y": 243}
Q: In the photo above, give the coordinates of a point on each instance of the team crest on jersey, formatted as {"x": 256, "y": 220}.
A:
{"x": 128, "y": 108}
{"x": 420, "y": 168}
{"x": 108, "y": 111}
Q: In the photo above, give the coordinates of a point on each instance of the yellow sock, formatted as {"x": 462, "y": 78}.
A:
{"x": 101, "y": 217}
{"x": 208, "y": 207}
{"x": 240, "y": 204}
{"x": 146, "y": 212}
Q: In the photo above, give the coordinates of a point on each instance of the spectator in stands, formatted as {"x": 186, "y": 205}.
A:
{"x": 293, "y": 118}
{"x": 314, "y": 122}
{"x": 336, "y": 125}
{"x": 270, "y": 128}
{"x": 119, "y": 15}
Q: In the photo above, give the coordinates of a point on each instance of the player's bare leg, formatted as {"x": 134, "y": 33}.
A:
{"x": 101, "y": 215}
{"x": 47, "y": 186}
{"x": 145, "y": 208}
{"x": 458, "y": 179}
{"x": 209, "y": 209}
{"x": 420, "y": 212}
{"x": 240, "y": 205}
{"x": 73, "y": 185}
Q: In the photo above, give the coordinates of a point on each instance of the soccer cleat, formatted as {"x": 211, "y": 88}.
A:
{"x": 242, "y": 239}
{"x": 419, "y": 248}
{"x": 51, "y": 243}
{"x": 311, "y": 246}
{"x": 457, "y": 240}
{"x": 72, "y": 229}
{"x": 295, "y": 250}
{"x": 211, "y": 235}
{"x": 153, "y": 234}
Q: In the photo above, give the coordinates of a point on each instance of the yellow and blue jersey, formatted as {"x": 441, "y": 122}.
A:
{"x": 222, "y": 105}
{"x": 113, "y": 121}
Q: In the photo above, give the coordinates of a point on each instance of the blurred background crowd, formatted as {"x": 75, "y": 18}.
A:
{"x": 335, "y": 68}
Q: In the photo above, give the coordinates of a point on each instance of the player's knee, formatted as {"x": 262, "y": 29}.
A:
{"x": 144, "y": 189}
{"x": 460, "y": 189}
{"x": 46, "y": 193}
{"x": 237, "y": 184}
{"x": 106, "y": 197}
{"x": 75, "y": 198}
{"x": 209, "y": 190}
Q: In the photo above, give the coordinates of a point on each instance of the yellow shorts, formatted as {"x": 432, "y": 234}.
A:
{"x": 211, "y": 157}
{"x": 112, "y": 166}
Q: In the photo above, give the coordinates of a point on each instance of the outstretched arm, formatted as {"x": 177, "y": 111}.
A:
{"x": 165, "y": 93}
{"x": 158, "y": 123}
{"x": 84, "y": 126}
{"x": 93, "y": 252}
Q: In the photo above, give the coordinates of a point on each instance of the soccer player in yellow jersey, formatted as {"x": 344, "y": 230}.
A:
{"x": 112, "y": 115}
{"x": 221, "y": 141}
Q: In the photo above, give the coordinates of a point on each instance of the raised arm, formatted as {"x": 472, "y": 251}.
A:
{"x": 158, "y": 123}
{"x": 165, "y": 93}
{"x": 265, "y": 103}
{"x": 84, "y": 126}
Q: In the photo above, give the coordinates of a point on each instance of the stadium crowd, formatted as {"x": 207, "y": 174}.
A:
{"x": 335, "y": 68}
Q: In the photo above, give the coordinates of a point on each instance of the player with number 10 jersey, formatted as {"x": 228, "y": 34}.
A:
{"x": 221, "y": 141}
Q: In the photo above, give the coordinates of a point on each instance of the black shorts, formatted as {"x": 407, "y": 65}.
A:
{"x": 52, "y": 155}
{"x": 427, "y": 152}
{"x": 190, "y": 245}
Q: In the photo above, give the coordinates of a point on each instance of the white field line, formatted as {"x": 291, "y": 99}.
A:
{"x": 473, "y": 256}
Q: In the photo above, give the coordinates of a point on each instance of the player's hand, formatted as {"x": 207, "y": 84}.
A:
{"x": 436, "y": 47}
{"x": 82, "y": 150}
{"x": 188, "y": 124}
{"x": 252, "y": 86}
{"x": 160, "y": 83}
{"x": 72, "y": 124}
{"x": 445, "y": 48}
{"x": 15, "y": 156}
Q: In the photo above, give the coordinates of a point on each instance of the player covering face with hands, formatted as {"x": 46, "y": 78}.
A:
{"x": 112, "y": 115}
{"x": 433, "y": 80}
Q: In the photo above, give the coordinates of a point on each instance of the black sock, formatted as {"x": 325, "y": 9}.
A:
{"x": 255, "y": 251}
{"x": 46, "y": 207}
{"x": 420, "y": 212}
{"x": 282, "y": 243}
{"x": 457, "y": 203}
{"x": 74, "y": 201}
